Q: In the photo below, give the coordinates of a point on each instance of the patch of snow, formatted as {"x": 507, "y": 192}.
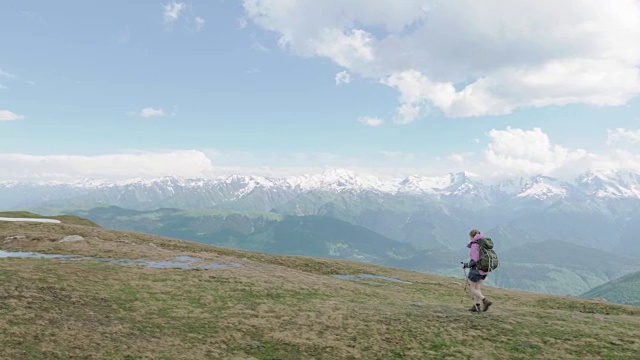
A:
{"x": 54, "y": 221}
{"x": 543, "y": 191}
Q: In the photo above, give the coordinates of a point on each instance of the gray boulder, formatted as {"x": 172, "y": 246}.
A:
{"x": 71, "y": 238}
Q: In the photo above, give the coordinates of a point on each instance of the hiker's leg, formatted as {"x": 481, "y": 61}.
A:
{"x": 473, "y": 287}
{"x": 475, "y": 292}
{"x": 485, "y": 302}
{"x": 479, "y": 297}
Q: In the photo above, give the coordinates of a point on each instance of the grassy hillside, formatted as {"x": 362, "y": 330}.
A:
{"x": 625, "y": 290}
{"x": 560, "y": 268}
{"x": 272, "y": 307}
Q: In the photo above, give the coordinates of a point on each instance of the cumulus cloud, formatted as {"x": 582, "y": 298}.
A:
{"x": 187, "y": 163}
{"x": 6, "y": 115}
{"x": 528, "y": 152}
{"x": 469, "y": 58}
{"x": 370, "y": 121}
{"x": 343, "y": 77}
{"x": 510, "y": 152}
{"x": 616, "y": 160}
{"x": 172, "y": 12}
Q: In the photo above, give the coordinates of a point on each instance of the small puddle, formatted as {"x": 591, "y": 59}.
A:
{"x": 25, "y": 255}
{"x": 368, "y": 276}
{"x": 179, "y": 262}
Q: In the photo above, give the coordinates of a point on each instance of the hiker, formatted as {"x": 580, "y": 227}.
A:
{"x": 476, "y": 276}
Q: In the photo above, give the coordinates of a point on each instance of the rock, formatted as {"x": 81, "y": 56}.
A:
{"x": 71, "y": 238}
{"x": 614, "y": 341}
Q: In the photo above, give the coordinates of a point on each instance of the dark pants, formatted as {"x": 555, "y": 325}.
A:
{"x": 474, "y": 276}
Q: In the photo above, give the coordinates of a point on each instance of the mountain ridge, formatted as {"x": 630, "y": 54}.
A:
{"x": 598, "y": 184}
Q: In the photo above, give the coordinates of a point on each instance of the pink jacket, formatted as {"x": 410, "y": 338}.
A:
{"x": 475, "y": 251}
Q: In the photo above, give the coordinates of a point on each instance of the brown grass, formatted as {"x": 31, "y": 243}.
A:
{"x": 273, "y": 307}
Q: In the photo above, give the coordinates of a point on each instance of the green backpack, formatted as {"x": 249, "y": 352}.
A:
{"x": 488, "y": 257}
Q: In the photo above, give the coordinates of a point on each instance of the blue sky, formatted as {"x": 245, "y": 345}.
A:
{"x": 204, "y": 88}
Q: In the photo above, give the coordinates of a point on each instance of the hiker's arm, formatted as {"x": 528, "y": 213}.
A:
{"x": 475, "y": 253}
{"x": 472, "y": 263}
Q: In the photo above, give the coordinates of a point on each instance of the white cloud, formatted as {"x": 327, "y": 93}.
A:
{"x": 346, "y": 49}
{"x": 343, "y": 77}
{"x": 259, "y": 47}
{"x": 6, "y": 74}
{"x": 180, "y": 12}
{"x": 470, "y": 58}
{"x": 617, "y": 159}
{"x": 6, "y": 115}
{"x": 510, "y": 152}
{"x": 528, "y": 152}
{"x": 187, "y": 163}
{"x": 531, "y": 152}
{"x": 199, "y": 22}
{"x": 383, "y": 163}
{"x": 150, "y": 112}
{"x": 370, "y": 121}
{"x": 459, "y": 158}
{"x": 35, "y": 18}
{"x": 623, "y": 137}
{"x": 172, "y": 12}
{"x": 242, "y": 23}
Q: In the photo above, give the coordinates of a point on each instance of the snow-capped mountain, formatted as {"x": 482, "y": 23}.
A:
{"x": 535, "y": 187}
{"x": 264, "y": 193}
{"x": 610, "y": 184}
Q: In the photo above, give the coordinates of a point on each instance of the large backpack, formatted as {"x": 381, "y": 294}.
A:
{"x": 488, "y": 257}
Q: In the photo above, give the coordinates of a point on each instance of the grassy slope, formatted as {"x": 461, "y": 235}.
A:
{"x": 273, "y": 307}
{"x": 625, "y": 290}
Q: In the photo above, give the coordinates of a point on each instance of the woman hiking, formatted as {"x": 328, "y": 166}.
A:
{"x": 476, "y": 277}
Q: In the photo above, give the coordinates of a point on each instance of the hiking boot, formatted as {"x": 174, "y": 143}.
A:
{"x": 475, "y": 308}
{"x": 485, "y": 304}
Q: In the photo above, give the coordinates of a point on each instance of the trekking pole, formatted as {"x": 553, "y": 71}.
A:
{"x": 466, "y": 279}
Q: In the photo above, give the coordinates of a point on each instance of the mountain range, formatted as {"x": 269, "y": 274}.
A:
{"x": 264, "y": 193}
{"x": 414, "y": 222}
{"x": 597, "y": 209}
